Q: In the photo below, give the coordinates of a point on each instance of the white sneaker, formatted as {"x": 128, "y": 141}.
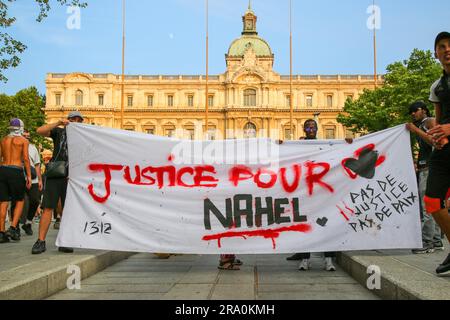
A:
{"x": 329, "y": 266}
{"x": 304, "y": 265}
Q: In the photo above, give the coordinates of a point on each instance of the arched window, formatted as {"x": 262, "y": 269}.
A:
{"x": 250, "y": 98}
{"x": 249, "y": 131}
{"x": 79, "y": 98}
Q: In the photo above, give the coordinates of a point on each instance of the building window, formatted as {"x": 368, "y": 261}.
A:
{"x": 129, "y": 127}
{"x": 190, "y": 100}
{"x": 189, "y": 133}
{"x": 330, "y": 133}
{"x": 170, "y": 100}
{"x": 211, "y": 101}
{"x": 287, "y": 132}
{"x": 58, "y": 99}
{"x": 212, "y": 133}
{"x": 249, "y": 131}
{"x": 329, "y": 101}
{"x": 130, "y": 101}
{"x": 101, "y": 99}
{"x": 309, "y": 100}
{"x": 150, "y": 101}
{"x": 250, "y": 98}
{"x": 349, "y": 97}
{"x": 79, "y": 98}
{"x": 169, "y": 132}
{"x": 349, "y": 134}
{"x": 288, "y": 100}
{"x": 149, "y": 130}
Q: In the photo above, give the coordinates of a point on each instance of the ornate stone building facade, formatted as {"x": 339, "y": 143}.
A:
{"x": 250, "y": 99}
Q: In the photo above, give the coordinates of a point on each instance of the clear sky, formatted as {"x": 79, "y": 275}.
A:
{"x": 168, "y": 37}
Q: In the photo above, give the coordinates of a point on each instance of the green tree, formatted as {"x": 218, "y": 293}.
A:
{"x": 10, "y": 48}
{"x": 405, "y": 82}
{"x": 27, "y": 104}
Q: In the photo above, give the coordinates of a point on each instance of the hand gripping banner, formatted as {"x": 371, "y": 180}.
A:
{"x": 136, "y": 192}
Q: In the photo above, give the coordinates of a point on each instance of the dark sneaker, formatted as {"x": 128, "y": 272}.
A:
{"x": 56, "y": 225}
{"x": 38, "y": 247}
{"x": 444, "y": 267}
{"x": 423, "y": 250}
{"x": 65, "y": 250}
{"x": 3, "y": 238}
{"x": 27, "y": 228}
{"x": 438, "y": 246}
{"x": 296, "y": 257}
{"x": 13, "y": 233}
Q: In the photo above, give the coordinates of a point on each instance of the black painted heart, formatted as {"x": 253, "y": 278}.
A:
{"x": 322, "y": 221}
{"x": 365, "y": 165}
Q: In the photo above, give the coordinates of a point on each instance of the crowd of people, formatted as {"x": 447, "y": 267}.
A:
{"x": 21, "y": 176}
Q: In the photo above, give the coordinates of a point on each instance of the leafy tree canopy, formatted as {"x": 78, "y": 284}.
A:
{"x": 10, "y": 48}
{"x": 405, "y": 82}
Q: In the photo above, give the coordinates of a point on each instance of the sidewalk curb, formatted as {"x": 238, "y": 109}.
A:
{"x": 45, "y": 284}
{"x": 399, "y": 281}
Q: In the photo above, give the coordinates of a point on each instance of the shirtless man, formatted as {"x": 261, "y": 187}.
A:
{"x": 14, "y": 151}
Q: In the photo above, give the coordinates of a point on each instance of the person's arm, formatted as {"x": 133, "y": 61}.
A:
{"x": 37, "y": 165}
{"x": 424, "y": 136}
{"x": 39, "y": 175}
{"x": 26, "y": 161}
{"x": 46, "y": 129}
{"x": 439, "y": 132}
{"x": 438, "y": 112}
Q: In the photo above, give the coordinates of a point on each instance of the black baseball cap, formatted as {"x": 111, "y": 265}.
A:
{"x": 416, "y": 106}
{"x": 440, "y": 36}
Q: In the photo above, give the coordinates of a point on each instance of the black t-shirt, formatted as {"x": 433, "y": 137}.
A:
{"x": 440, "y": 93}
{"x": 425, "y": 149}
{"x": 59, "y": 137}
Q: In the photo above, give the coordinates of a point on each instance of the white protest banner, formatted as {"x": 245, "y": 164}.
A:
{"x": 137, "y": 192}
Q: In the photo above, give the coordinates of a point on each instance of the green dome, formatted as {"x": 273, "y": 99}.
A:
{"x": 239, "y": 46}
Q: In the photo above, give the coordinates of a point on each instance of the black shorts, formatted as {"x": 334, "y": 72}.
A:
{"x": 438, "y": 183}
{"x": 54, "y": 190}
{"x": 12, "y": 184}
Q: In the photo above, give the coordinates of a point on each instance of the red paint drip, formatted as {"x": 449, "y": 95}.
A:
{"x": 343, "y": 213}
{"x": 266, "y": 234}
{"x": 349, "y": 209}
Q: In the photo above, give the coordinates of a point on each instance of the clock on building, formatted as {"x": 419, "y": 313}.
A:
{"x": 249, "y": 24}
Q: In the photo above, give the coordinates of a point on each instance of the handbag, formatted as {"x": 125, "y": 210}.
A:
{"x": 56, "y": 169}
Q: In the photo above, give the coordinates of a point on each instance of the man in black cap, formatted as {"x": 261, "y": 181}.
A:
{"x": 55, "y": 187}
{"x": 438, "y": 184}
{"x": 422, "y": 122}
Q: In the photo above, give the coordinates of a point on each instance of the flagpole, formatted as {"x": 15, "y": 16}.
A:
{"x": 123, "y": 66}
{"x": 291, "y": 98}
{"x": 375, "y": 75}
{"x": 207, "y": 74}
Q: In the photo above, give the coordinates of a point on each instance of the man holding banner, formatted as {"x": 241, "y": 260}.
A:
{"x": 56, "y": 180}
{"x": 310, "y": 128}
